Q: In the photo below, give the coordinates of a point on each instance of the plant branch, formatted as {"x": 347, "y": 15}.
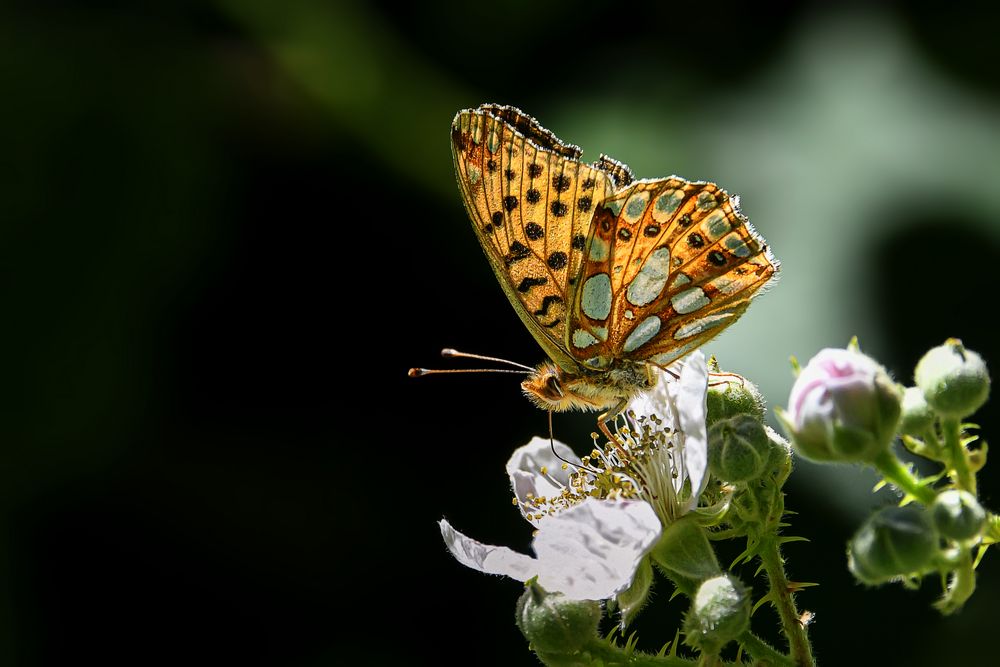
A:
{"x": 894, "y": 471}
{"x": 958, "y": 454}
{"x": 782, "y": 597}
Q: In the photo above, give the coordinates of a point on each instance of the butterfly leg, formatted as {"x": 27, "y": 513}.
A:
{"x": 610, "y": 415}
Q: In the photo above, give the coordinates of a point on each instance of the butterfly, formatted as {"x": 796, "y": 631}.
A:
{"x": 611, "y": 275}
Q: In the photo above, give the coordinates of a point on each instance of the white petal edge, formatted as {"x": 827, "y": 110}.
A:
{"x": 588, "y": 552}
{"x": 692, "y": 390}
{"x": 486, "y": 557}
{"x": 524, "y": 469}
{"x": 657, "y": 400}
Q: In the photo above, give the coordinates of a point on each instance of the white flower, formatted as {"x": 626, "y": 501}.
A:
{"x": 598, "y": 517}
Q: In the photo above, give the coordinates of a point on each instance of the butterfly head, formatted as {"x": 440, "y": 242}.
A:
{"x": 544, "y": 387}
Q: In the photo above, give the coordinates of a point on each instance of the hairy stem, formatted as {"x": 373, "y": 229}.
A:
{"x": 959, "y": 455}
{"x": 762, "y": 652}
{"x": 782, "y": 597}
{"x": 894, "y": 471}
{"x": 962, "y": 584}
{"x": 601, "y": 652}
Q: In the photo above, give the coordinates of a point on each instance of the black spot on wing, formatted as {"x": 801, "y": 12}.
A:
{"x": 546, "y": 302}
{"x": 518, "y": 251}
{"x": 527, "y": 283}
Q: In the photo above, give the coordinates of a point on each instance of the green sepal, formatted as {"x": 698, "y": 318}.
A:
{"x": 685, "y": 555}
{"x": 632, "y": 599}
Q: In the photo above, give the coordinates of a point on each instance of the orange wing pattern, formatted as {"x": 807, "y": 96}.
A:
{"x": 531, "y": 202}
{"x": 668, "y": 265}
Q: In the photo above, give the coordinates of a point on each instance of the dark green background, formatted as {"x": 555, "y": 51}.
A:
{"x": 229, "y": 228}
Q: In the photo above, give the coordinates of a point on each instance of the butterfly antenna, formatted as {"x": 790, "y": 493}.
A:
{"x": 450, "y": 353}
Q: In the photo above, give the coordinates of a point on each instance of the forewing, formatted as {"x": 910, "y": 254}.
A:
{"x": 531, "y": 202}
{"x": 668, "y": 265}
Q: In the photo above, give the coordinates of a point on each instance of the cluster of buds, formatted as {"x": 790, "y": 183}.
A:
{"x": 844, "y": 407}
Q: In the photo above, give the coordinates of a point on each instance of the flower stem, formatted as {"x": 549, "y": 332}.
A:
{"x": 762, "y": 652}
{"x": 962, "y": 583}
{"x": 959, "y": 455}
{"x": 601, "y": 652}
{"x": 769, "y": 553}
{"x": 901, "y": 477}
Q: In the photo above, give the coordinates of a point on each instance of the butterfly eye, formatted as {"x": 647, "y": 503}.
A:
{"x": 552, "y": 385}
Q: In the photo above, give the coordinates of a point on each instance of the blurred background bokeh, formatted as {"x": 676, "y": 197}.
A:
{"x": 228, "y": 228}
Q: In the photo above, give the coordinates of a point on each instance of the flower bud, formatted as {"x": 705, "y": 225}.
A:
{"x": 917, "y": 417}
{"x": 893, "y": 542}
{"x": 843, "y": 407}
{"x": 781, "y": 453}
{"x": 738, "y": 449}
{"x": 733, "y": 396}
{"x": 957, "y": 515}
{"x": 720, "y": 612}
{"x": 954, "y": 380}
{"x": 554, "y": 623}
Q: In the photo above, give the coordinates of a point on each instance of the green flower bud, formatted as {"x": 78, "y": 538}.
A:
{"x": 781, "y": 453}
{"x": 554, "y": 623}
{"x": 733, "y": 396}
{"x": 957, "y": 515}
{"x": 918, "y": 418}
{"x": 738, "y": 449}
{"x": 893, "y": 542}
{"x": 843, "y": 407}
{"x": 720, "y": 612}
{"x": 954, "y": 380}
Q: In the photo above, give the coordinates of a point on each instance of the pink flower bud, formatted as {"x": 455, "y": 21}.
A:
{"x": 843, "y": 407}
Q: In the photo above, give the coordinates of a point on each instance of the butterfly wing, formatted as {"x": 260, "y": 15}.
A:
{"x": 668, "y": 265}
{"x": 531, "y": 202}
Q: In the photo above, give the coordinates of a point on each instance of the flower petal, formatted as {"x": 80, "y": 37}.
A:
{"x": 525, "y": 471}
{"x": 692, "y": 389}
{"x": 592, "y": 550}
{"x": 656, "y": 401}
{"x": 588, "y": 552}
{"x": 485, "y": 557}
